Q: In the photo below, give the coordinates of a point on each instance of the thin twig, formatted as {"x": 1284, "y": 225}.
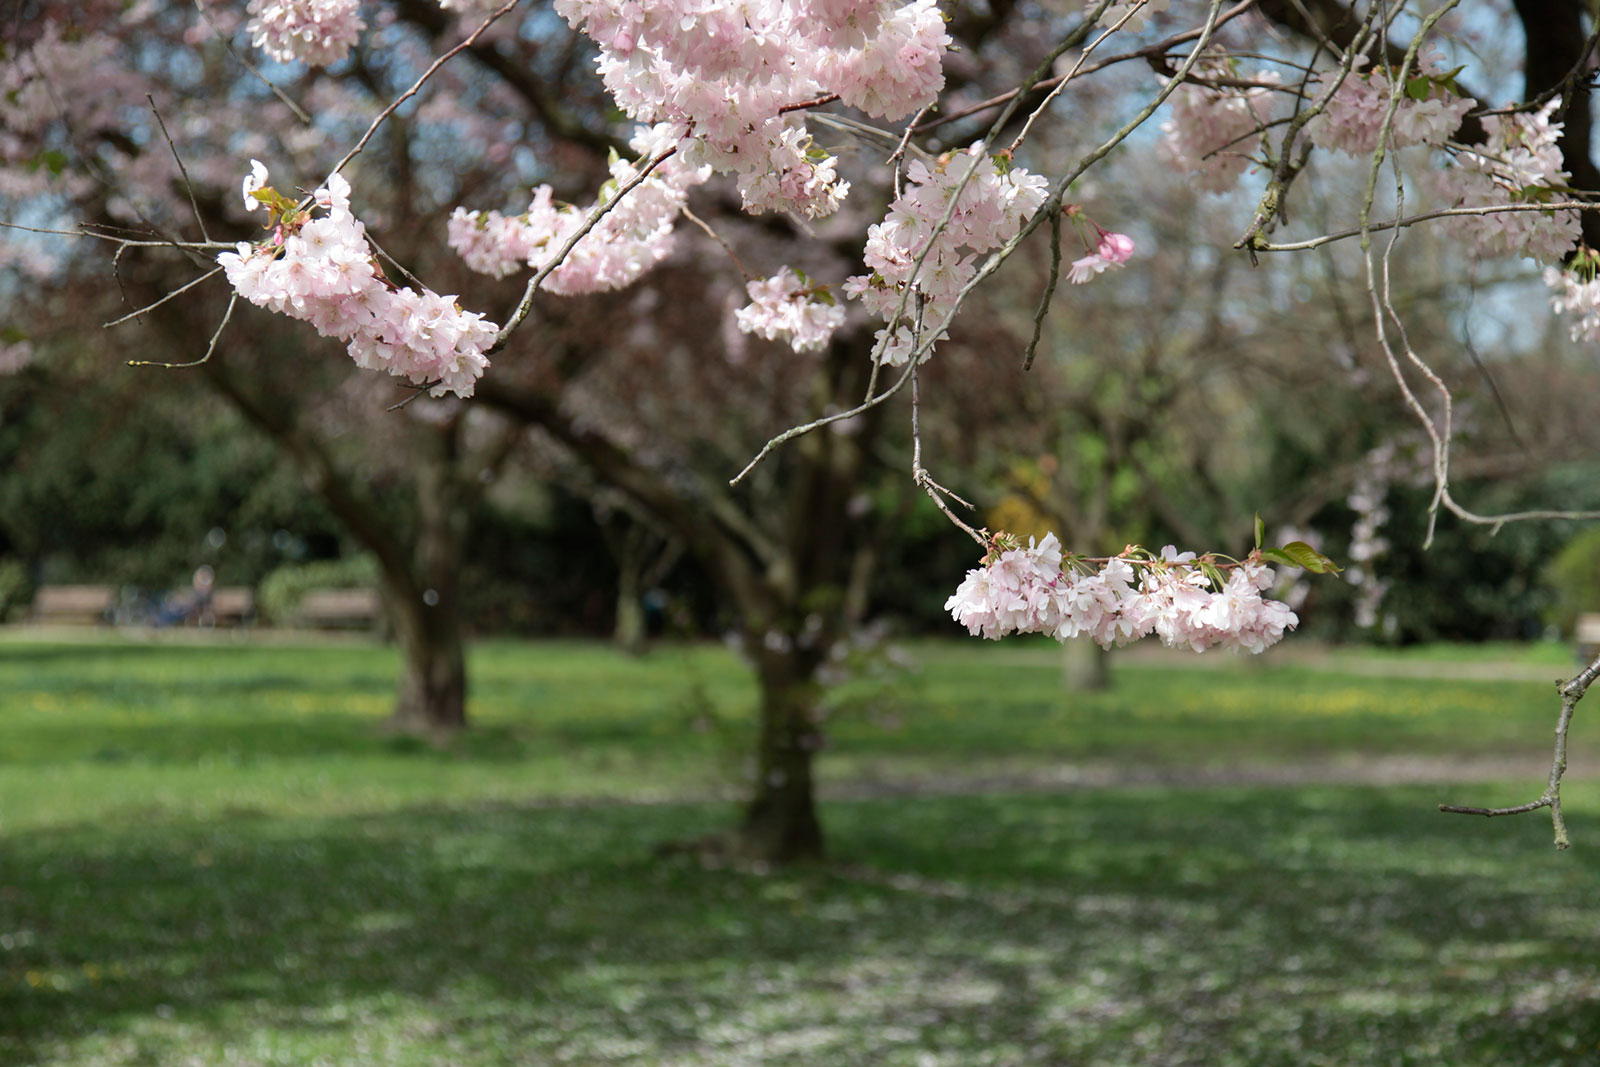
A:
{"x": 184, "y": 245}
{"x": 299, "y": 112}
{"x": 525, "y": 305}
{"x": 804, "y": 104}
{"x": 1383, "y": 307}
{"x": 1061, "y": 82}
{"x": 394, "y": 262}
{"x": 1571, "y": 692}
{"x": 921, "y": 478}
{"x": 417, "y": 391}
{"x": 1412, "y": 220}
{"x": 187, "y": 185}
{"x": 176, "y": 292}
{"x": 715, "y": 236}
{"x": 210, "y": 348}
{"x": 1049, "y": 290}
{"x": 1159, "y": 48}
{"x": 394, "y": 104}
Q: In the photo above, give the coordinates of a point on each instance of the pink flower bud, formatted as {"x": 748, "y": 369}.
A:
{"x": 1116, "y": 247}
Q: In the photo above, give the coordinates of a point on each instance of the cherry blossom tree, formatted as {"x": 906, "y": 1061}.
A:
{"x": 752, "y": 100}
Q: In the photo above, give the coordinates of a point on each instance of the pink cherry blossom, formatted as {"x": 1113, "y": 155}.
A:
{"x": 1354, "y": 115}
{"x": 1213, "y": 132}
{"x": 990, "y": 210}
{"x": 781, "y": 309}
{"x": 323, "y": 273}
{"x": 1027, "y": 590}
{"x": 1519, "y": 162}
{"x": 315, "y": 32}
{"x": 1112, "y": 250}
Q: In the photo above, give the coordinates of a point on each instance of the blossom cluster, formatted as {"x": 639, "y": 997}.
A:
{"x": 1027, "y": 590}
{"x": 1354, "y": 115}
{"x": 733, "y": 75}
{"x": 316, "y": 32}
{"x": 1110, "y": 250}
{"x": 319, "y": 270}
{"x": 628, "y": 240}
{"x": 1519, "y": 162}
{"x": 781, "y": 308}
{"x": 1577, "y": 294}
{"x": 1212, "y": 132}
{"x": 989, "y": 211}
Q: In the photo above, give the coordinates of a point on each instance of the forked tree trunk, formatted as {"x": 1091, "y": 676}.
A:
{"x": 781, "y": 824}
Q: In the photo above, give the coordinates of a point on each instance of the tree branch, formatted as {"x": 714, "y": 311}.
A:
{"x": 1571, "y": 692}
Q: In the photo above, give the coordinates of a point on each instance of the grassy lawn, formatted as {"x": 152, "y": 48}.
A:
{"x": 208, "y": 855}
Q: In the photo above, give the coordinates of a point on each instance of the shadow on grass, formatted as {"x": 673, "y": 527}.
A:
{"x": 1222, "y": 927}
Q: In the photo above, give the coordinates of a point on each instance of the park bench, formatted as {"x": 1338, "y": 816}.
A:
{"x": 82, "y": 605}
{"x": 339, "y": 609}
{"x": 232, "y": 605}
{"x": 1587, "y": 635}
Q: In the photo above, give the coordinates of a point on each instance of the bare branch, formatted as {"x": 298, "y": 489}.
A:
{"x": 210, "y": 348}
{"x": 715, "y": 236}
{"x": 1425, "y": 216}
{"x": 213, "y": 272}
{"x": 416, "y": 85}
{"x": 1571, "y": 692}
{"x": 187, "y": 185}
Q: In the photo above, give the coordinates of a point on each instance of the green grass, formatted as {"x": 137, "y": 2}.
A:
{"x": 208, "y": 855}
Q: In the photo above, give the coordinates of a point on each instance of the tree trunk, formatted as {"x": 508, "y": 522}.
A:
{"x": 630, "y": 626}
{"x": 425, "y": 602}
{"x": 781, "y": 824}
{"x": 1085, "y": 666}
{"x": 432, "y": 697}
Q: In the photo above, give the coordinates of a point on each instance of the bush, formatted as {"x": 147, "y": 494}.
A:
{"x": 16, "y": 589}
{"x": 281, "y": 590}
{"x": 1573, "y": 578}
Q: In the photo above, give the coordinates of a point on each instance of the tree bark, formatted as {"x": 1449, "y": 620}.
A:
{"x": 432, "y": 696}
{"x": 780, "y": 824}
{"x": 1085, "y": 666}
{"x": 425, "y": 599}
{"x": 629, "y": 633}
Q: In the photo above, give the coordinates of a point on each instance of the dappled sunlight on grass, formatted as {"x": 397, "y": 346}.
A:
{"x": 212, "y": 855}
{"x": 1160, "y": 926}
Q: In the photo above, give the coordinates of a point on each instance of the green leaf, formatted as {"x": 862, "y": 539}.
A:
{"x": 1299, "y": 554}
{"x": 822, "y": 296}
{"x": 1261, "y": 529}
{"x": 1418, "y": 88}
